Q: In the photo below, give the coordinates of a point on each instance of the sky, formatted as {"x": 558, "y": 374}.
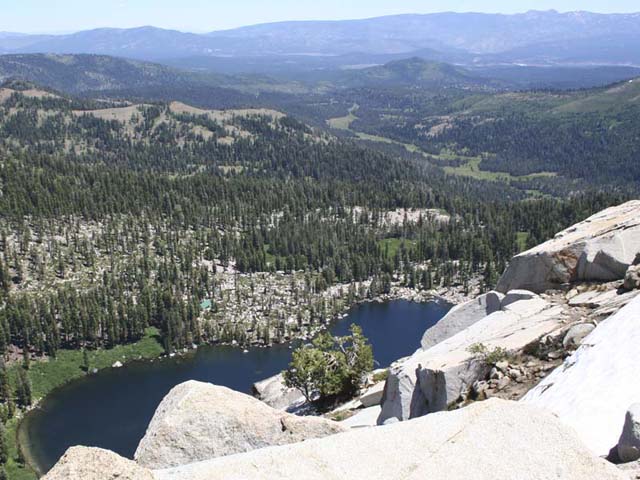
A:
{"x": 64, "y": 16}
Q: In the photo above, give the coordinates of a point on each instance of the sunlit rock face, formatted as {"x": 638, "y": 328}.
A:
{"x": 488, "y": 440}
{"x": 601, "y": 248}
{"x": 199, "y": 421}
{"x": 432, "y": 379}
{"x": 595, "y": 386}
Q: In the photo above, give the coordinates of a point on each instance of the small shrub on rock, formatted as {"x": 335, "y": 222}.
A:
{"x": 490, "y": 357}
{"x": 331, "y": 366}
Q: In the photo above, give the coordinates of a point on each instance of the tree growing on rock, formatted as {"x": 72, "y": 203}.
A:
{"x": 308, "y": 372}
{"x": 331, "y": 366}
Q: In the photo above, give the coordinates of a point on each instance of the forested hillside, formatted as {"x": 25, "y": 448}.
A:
{"x": 464, "y": 121}
{"x": 122, "y": 216}
{"x": 550, "y": 141}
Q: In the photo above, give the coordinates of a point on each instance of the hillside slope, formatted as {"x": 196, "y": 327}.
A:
{"x": 80, "y": 73}
{"x": 416, "y": 73}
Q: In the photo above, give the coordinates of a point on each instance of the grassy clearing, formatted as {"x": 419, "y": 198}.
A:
{"x": 48, "y": 375}
{"x": 472, "y": 169}
{"x": 69, "y": 364}
{"x": 344, "y": 123}
{"x": 469, "y": 169}
{"x": 392, "y": 245}
{"x": 521, "y": 239}
{"x": 15, "y": 469}
{"x": 270, "y": 258}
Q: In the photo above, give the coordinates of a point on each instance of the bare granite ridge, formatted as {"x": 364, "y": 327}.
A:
{"x": 492, "y": 440}
{"x": 199, "y": 421}
{"x": 595, "y": 386}
{"x": 84, "y": 463}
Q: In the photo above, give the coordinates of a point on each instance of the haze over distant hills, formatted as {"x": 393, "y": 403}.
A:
{"x": 534, "y": 38}
{"x": 84, "y": 74}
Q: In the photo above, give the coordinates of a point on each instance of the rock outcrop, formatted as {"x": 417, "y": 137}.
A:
{"x": 199, "y": 421}
{"x": 600, "y": 248}
{"x": 274, "y": 393}
{"x": 430, "y": 380}
{"x": 366, "y": 417}
{"x": 460, "y": 317}
{"x": 372, "y": 395}
{"x": 594, "y": 387}
{"x": 84, "y": 463}
{"x": 629, "y": 444}
{"x": 492, "y": 440}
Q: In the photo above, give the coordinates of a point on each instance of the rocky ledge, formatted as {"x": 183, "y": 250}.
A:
{"x": 600, "y": 249}
{"x": 431, "y": 380}
{"x": 491, "y": 440}
{"x": 595, "y": 386}
{"x": 199, "y": 421}
{"x": 84, "y": 463}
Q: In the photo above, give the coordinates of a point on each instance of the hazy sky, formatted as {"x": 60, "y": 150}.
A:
{"x": 207, "y": 15}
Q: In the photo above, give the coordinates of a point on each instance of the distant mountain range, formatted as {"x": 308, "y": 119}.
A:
{"x": 475, "y": 33}
{"x": 533, "y": 38}
{"x": 85, "y": 74}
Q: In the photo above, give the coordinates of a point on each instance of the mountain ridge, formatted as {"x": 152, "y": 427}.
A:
{"x": 447, "y": 32}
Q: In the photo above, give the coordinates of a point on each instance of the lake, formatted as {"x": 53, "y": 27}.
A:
{"x": 113, "y": 408}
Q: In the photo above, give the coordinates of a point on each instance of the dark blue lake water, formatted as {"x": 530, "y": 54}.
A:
{"x": 113, "y": 408}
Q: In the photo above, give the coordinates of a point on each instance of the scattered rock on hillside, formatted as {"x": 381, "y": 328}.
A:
{"x": 593, "y": 298}
{"x": 366, "y": 417}
{"x": 629, "y": 443}
{"x": 600, "y": 248}
{"x": 84, "y": 463}
{"x": 594, "y": 387}
{"x": 372, "y": 396}
{"x": 460, "y": 317}
{"x": 576, "y": 334}
{"x": 632, "y": 278}
{"x": 199, "y": 421}
{"x": 492, "y": 440}
{"x": 431, "y": 380}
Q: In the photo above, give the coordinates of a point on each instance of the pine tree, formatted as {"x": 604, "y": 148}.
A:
{"x": 86, "y": 365}
{"x": 23, "y": 389}
{"x": 5, "y": 388}
{"x": 4, "y": 445}
{"x": 26, "y": 358}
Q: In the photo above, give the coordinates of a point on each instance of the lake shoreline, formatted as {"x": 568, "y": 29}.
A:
{"x": 65, "y": 370}
{"x": 25, "y": 443}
